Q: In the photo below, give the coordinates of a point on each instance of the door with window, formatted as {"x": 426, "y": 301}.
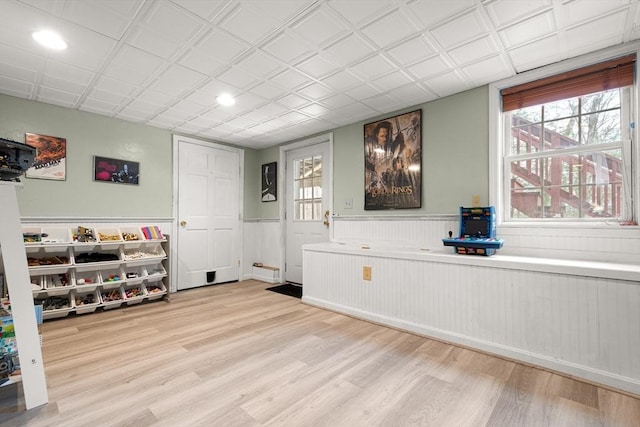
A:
{"x": 308, "y": 203}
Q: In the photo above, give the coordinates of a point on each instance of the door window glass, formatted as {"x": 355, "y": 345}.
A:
{"x": 307, "y": 185}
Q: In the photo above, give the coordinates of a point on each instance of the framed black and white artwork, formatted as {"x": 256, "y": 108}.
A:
{"x": 269, "y": 178}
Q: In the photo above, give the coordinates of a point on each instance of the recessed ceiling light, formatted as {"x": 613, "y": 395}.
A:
{"x": 226, "y": 99}
{"x": 49, "y": 39}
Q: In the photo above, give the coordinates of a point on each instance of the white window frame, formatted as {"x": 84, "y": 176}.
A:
{"x": 497, "y": 135}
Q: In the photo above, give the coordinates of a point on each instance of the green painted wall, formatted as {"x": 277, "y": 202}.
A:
{"x": 87, "y": 135}
{"x": 267, "y": 209}
{"x": 455, "y": 163}
{"x": 90, "y": 134}
{"x": 455, "y": 159}
{"x": 251, "y": 189}
{"x": 456, "y": 151}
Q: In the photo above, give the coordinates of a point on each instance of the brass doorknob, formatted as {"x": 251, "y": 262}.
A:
{"x": 183, "y": 223}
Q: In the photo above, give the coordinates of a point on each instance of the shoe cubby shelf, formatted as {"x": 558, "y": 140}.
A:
{"x": 123, "y": 266}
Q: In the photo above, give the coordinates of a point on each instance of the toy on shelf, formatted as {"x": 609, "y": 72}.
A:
{"x": 477, "y": 232}
{"x": 152, "y": 233}
{"x": 85, "y": 235}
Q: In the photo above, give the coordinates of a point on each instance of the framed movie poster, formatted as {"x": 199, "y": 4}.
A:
{"x": 51, "y": 157}
{"x": 116, "y": 171}
{"x": 269, "y": 182}
{"x": 393, "y": 162}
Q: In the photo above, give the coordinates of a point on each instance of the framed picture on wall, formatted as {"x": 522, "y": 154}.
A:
{"x": 117, "y": 171}
{"x": 393, "y": 162}
{"x": 269, "y": 178}
{"x": 51, "y": 157}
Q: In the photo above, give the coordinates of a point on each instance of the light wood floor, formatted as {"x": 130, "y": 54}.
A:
{"x": 237, "y": 355}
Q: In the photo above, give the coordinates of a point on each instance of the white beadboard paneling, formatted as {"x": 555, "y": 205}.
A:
{"x": 164, "y": 224}
{"x": 610, "y": 243}
{"x": 417, "y": 232}
{"x": 603, "y": 243}
{"x": 633, "y": 302}
{"x": 580, "y": 325}
{"x": 270, "y": 235}
{"x": 261, "y": 244}
{"x": 251, "y": 251}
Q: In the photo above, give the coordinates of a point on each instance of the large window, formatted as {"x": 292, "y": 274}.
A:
{"x": 567, "y": 145}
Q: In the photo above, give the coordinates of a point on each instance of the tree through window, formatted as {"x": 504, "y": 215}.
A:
{"x": 568, "y": 156}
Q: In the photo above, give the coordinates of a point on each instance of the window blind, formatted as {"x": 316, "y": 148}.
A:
{"x": 606, "y": 75}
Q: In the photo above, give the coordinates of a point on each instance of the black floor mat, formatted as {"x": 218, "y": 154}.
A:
{"x": 288, "y": 289}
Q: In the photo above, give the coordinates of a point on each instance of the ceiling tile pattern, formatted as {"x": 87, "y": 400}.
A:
{"x": 297, "y": 67}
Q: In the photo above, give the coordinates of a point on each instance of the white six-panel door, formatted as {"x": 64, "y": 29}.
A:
{"x": 208, "y": 218}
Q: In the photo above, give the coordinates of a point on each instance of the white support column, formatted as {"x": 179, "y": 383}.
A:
{"x": 16, "y": 274}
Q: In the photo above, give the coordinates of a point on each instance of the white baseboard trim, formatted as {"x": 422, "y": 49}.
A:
{"x": 596, "y": 376}
{"x": 262, "y": 278}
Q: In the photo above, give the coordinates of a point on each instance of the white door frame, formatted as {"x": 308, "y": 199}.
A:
{"x": 284, "y": 149}
{"x": 173, "y": 258}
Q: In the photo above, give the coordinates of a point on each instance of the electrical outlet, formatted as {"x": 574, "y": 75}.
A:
{"x": 475, "y": 201}
{"x": 348, "y": 203}
{"x": 366, "y": 272}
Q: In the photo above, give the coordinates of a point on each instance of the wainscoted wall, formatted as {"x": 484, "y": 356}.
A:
{"x": 165, "y": 224}
{"x": 573, "y": 316}
{"x": 408, "y": 231}
{"x": 615, "y": 243}
{"x": 612, "y": 243}
{"x": 262, "y": 243}
{"x": 588, "y": 327}
{"x": 261, "y": 238}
